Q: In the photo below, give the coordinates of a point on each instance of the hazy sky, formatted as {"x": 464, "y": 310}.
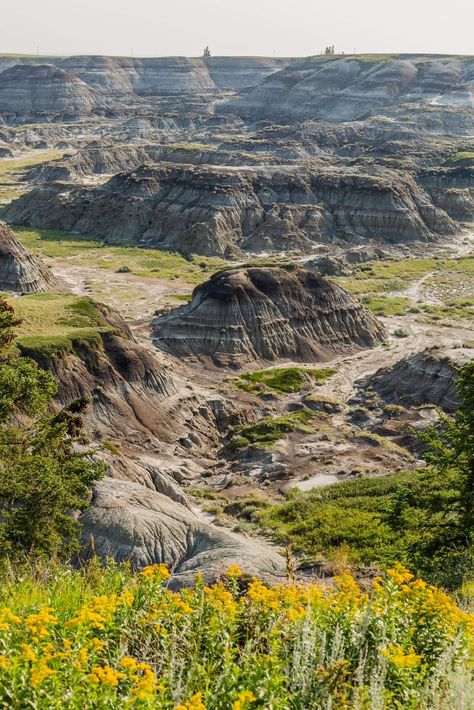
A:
{"x": 251, "y": 27}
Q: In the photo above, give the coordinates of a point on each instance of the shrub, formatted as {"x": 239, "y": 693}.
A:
{"x": 401, "y": 333}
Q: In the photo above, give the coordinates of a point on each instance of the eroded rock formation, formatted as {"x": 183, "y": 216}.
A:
{"x": 134, "y": 524}
{"x": 242, "y": 315}
{"x": 21, "y": 271}
{"x": 427, "y": 377}
{"x": 347, "y": 88}
{"x": 220, "y": 211}
{"x": 39, "y": 88}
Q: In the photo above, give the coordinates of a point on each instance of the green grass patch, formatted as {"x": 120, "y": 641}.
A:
{"x": 284, "y": 380}
{"x": 351, "y": 514}
{"x": 457, "y": 308}
{"x": 47, "y": 346}
{"x": 464, "y": 157}
{"x": 387, "y": 305}
{"x": 55, "y": 314}
{"x": 12, "y": 170}
{"x": 272, "y": 429}
{"x": 91, "y": 251}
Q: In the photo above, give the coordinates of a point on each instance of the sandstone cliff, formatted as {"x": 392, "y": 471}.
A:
{"x": 21, "y": 271}
{"x": 242, "y": 315}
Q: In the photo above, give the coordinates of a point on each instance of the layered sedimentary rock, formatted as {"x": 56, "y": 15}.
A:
{"x": 347, "y": 88}
{"x": 427, "y": 377}
{"x": 158, "y": 76}
{"x": 242, "y": 315}
{"x": 21, "y": 271}
{"x": 143, "y": 527}
{"x": 46, "y": 88}
{"x": 219, "y": 211}
{"x": 452, "y": 188}
{"x": 242, "y": 72}
{"x": 135, "y": 397}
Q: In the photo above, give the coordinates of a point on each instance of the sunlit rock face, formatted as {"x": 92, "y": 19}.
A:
{"x": 244, "y": 315}
{"x": 21, "y": 271}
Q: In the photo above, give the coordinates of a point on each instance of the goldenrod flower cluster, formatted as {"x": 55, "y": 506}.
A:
{"x": 115, "y": 639}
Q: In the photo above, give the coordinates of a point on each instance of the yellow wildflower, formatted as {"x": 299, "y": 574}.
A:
{"x": 126, "y": 597}
{"x": 96, "y": 644}
{"x": 295, "y": 613}
{"x": 129, "y": 663}
{"x": 28, "y": 652}
{"x": 245, "y": 697}
{"x": 96, "y": 612}
{"x": 145, "y": 684}
{"x": 37, "y": 623}
{"x": 82, "y": 658}
{"x": 221, "y": 598}
{"x": 39, "y": 673}
{"x": 156, "y": 571}
{"x": 7, "y": 617}
{"x": 4, "y": 663}
{"x": 195, "y": 703}
{"x": 399, "y": 574}
{"x": 396, "y": 655}
{"x": 105, "y": 675}
{"x": 234, "y": 571}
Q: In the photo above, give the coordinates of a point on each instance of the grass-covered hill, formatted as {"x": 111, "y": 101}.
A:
{"x": 109, "y": 638}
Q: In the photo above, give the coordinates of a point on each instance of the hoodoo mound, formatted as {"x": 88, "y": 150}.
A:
{"x": 45, "y": 88}
{"x": 265, "y": 313}
{"x": 21, "y": 271}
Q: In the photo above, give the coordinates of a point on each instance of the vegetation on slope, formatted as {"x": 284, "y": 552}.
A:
{"x": 111, "y": 639}
{"x": 382, "y": 285}
{"x": 282, "y": 379}
{"x": 424, "y": 518}
{"x": 271, "y": 429}
{"x": 91, "y": 251}
{"x": 42, "y": 475}
{"x": 53, "y": 323}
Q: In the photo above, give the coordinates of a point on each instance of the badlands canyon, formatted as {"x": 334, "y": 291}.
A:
{"x": 260, "y": 271}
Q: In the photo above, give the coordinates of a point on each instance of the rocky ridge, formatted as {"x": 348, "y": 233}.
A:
{"x": 220, "y": 211}
{"x": 45, "y": 88}
{"x": 245, "y": 315}
{"x": 426, "y": 377}
{"x": 347, "y": 88}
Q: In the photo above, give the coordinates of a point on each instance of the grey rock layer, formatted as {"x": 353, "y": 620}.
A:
{"x": 132, "y": 523}
{"x": 21, "y": 271}
{"x": 348, "y": 88}
{"x": 243, "y": 315}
